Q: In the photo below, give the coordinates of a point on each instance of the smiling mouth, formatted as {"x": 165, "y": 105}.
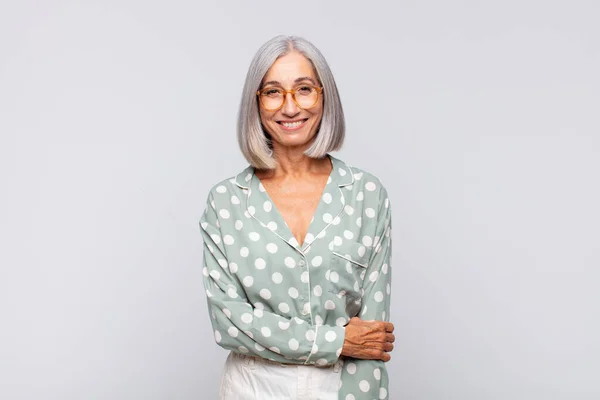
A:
{"x": 292, "y": 125}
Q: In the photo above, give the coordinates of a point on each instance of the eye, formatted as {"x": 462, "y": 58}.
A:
{"x": 271, "y": 92}
{"x": 304, "y": 90}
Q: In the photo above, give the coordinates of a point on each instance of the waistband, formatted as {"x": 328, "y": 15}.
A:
{"x": 252, "y": 360}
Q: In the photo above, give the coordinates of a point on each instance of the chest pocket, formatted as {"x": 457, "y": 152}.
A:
{"x": 348, "y": 267}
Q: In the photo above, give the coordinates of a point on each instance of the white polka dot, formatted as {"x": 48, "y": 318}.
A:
{"x": 284, "y": 307}
{"x": 233, "y": 331}
{"x": 306, "y": 308}
{"x": 294, "y": 344}
{"x": 330, "y": 336}
{"x": 337, "y": 241}
{"x": 334, "y": 277}
{"x": 272, "y": 226}
{"x": 384, "y": 269}
{"x": 261, "y": 187}
{"x": 244, "y": 252}
{"x": 373, "y": 276}
{"x": 310, "y": 335}
{"x": 283, "y": 325}
{"x": 327, "y": 198}
{"x": 227, "y": 312}
{"x": 358, "y": 176}
{"x": 318, "y": 290}
{"x": 277, "y": 277}
{"x": 349, "y": 210}
{"x": 318, "y": 320}
{"x": 272, "y": 248}
{"x": 369, "y": 212}
{"x": 360, "y": 196}
{"x": 222, "y": 263}
{"x": 265, "y": 294}
{"x": 239, "y": 225}
{"x": 232, "y": 293}
{"x": 260, "y": 263}
{"x": 258, "y": 312}
{"x": 350, "y": 397}
{"x": 377, "y": 374}
{"x": 215, "y": 274}
{"x": 378, "y": 297}
{"x": 248, "y": 177}
{"x": 341, "y": 321}
{"x": 348, "y": 235}
{"x": 364, "y": 386}
{"x": 317, "y": 261}
{"x": 289, "y": 262}
{"x": 274, "y": 349}
{"x": 359, "y": 221}
{"x": 361, "y": 251}
{"x": 370, "y": 186}
{"x": 388, "y": 289}
{"x": 351, "y": 368}
{"x": 304, "y": 277}
{"x": 242, "y": 349}
{"x": 248, "y": 281}
{"x": 235, "y": 200}
{"x": 267, "y": 206}
{"x": 336, "y": 221}
{"x": 218, "y": 336}
{"x": 254, "y": 236}
{"x": 251, "y": 210}
{"x": 258, "y": 347}
{"x": 382, "y": 393}
{"x": 293, "y": 292}
{"x": 342, "y": 171}
{"x": 266, "y": 332}
{"x": 246, "y": 318}
{"x": 321, "y": 362}
{"x": 309, "y": 238}
{"x": 221, "y": 189}
{"x": 329, "y": 305}
{"x": 228, "y": 240}
{"x": 215, "y": 238}
{"x": 327, "y": 218}
{"x": 367, "y": 241}
{"x": 224, "y": 213}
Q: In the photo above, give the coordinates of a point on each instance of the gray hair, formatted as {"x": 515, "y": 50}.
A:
{"x": 251, "y": 137}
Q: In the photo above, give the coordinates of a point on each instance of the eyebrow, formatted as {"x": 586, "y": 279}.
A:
{"x": 297, "y": 80}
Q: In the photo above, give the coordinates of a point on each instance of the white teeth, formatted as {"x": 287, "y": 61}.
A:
{"x": 292, "y": 124}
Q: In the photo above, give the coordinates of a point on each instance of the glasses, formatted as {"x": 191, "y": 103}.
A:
{"x": 273, "y": 98}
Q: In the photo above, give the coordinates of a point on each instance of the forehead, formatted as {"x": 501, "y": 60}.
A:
{"x": 290, "y": 67}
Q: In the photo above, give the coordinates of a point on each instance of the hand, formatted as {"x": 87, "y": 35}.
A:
{"x": 368, "y": 340}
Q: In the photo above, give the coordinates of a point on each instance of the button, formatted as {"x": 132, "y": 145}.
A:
{"x": 302, "y": 263}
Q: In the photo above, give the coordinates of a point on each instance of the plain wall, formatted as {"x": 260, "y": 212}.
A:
{"x": 481, "y": 119}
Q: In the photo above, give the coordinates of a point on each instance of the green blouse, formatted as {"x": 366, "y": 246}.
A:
{"x": 270, "y": 297}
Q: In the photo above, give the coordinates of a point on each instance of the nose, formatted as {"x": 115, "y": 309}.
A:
{"x": 290, "y": 108}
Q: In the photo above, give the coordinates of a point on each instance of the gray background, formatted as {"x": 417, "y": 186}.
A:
{"x": 481, "y": 118}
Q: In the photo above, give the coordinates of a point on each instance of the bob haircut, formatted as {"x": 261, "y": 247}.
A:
{"x": 252, "y": 139}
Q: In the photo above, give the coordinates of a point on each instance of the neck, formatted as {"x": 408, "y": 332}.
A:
{"x": 295, "y": 164}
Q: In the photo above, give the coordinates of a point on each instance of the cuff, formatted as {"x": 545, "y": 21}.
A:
{"x": 327, "y": 346}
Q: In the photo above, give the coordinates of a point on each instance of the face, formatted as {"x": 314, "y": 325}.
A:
{"x": 291, "y": 126}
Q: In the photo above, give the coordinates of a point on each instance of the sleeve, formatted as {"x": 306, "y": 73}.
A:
{"x": 240, "y": 327}
{"x": 369, "y": 378}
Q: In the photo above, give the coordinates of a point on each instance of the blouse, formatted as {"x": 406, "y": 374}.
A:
{"x": 271, "y": 297}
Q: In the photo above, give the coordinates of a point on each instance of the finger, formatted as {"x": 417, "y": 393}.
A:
{"x": 389, "y": 327}
{"x": 390, "y": 337}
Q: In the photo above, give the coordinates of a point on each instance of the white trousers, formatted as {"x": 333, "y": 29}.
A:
{"x": 253, "y": 378}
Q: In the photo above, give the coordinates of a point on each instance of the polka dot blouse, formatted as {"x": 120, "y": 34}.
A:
{"x": 270, "y": 297}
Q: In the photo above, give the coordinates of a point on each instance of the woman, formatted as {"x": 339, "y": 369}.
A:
{"x": 297, "y": 246}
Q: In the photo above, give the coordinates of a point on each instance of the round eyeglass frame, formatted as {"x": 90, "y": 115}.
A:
{"x": 319, "y": 90}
